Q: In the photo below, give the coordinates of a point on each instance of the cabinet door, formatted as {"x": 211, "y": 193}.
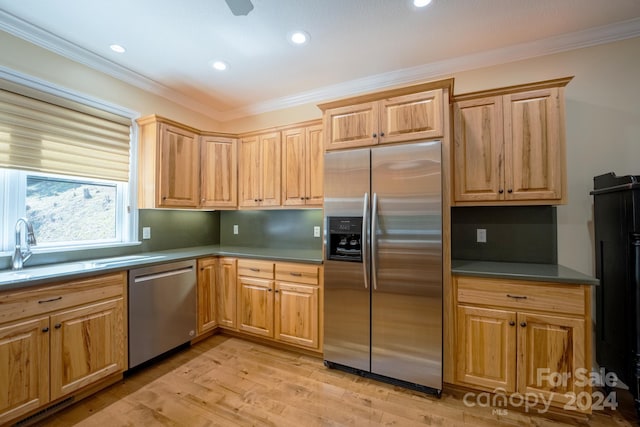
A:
{"x": 486, "y": 348}
{"x": 296, "y": 314}
{"x": 226, "y": 293}
{"x": 294, "y": 167}
{"x": 179, "y": 168}
{"x": 478, "y": 145}
{"x": 314, "y": 161}
{"x": 534, "y": 145}
{"x": 550, "y": 351}
{"x": 87, "y": 344}
{"x": 207, "y": 284}
{"x": 250, "y": 172}
{"x": 271, "y": 169}
{"x": 255, "y": 306}
{"x": 411, "y": 117}
{"x": 218, "y": 170}
{"x": 351, "y": 126}
{"x": 24, "y": 367}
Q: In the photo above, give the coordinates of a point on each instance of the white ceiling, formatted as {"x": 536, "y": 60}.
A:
{"x": 356, "y": 45}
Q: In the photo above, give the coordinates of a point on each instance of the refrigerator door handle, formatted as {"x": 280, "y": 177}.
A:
{"x": 363, "y": 238}
{"x": 374, "y": 243}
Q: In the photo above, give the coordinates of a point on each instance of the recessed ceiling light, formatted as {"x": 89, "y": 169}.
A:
{"x": 219, "y": 65}
{"x": 299, "y": 37}
{"x": 117, "y": 48}
{"x": 421, "y": 3}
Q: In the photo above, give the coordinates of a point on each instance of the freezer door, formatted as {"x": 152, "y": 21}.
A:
{"x": 406, "y": 248}
{"x": 347, "y": 298}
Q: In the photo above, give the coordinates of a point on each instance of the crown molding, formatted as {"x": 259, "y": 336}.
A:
{"x": 548, "y": 46}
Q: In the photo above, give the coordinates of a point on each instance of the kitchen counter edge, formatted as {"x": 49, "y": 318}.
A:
{"x": 555, "y": 273}
{"x": 306, "y": 256}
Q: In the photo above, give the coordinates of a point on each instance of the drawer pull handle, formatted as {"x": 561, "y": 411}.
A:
{"x": 49, "y": 300}
{"x": 293, "y": 273}
{"x": 517, "y": 296}
{"x": 254, "y": 269}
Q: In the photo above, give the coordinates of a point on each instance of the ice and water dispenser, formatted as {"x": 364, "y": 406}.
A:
{"x": 344, "y": 239}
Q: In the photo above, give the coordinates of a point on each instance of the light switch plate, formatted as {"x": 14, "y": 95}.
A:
{"x": 481, "y": 235}
{"x": 316, "y": 231}
{"x": 235, "y": 228}
{"x": 146, "y": 233}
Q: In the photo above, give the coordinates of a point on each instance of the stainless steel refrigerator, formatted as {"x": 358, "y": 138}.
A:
{"x": 383, "y": 263}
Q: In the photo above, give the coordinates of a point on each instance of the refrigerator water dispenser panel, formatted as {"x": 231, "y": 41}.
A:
{"x": 344, "y": 239}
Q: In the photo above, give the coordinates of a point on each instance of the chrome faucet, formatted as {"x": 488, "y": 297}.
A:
{"x": 20, "y": 256}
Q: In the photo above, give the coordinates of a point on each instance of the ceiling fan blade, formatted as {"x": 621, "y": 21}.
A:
{"x": 240, "y": 7}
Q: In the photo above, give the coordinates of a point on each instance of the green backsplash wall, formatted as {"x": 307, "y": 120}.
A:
{"x": 172, "y": 229}
{"x": 514, "y": 233}
{"x": 276, "y": 228}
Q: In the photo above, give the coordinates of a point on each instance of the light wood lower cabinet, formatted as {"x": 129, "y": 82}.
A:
{"x": 208, "y": 279}
{"x": 522, "y": 337}
{"x": 281, "y": 301}
{"x": 56, "y": 340}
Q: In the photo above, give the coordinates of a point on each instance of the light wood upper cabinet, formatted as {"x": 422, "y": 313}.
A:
{"x": 208, "y": 276}
{"x": 179, "y": 168}
{"x": 24, "y": 383}
{"x": 302, "y": 166}
{"x": 259, "y": 169}
{"x": 509, "y": 146}
{"x": 218, "y": 172}
{"x": 520, "y": 335}
{"x": 408, "y": 114}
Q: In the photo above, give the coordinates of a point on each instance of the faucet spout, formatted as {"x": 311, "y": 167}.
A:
{"x": 20, "y": 255}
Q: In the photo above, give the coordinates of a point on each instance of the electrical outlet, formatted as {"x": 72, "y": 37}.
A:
{"x": 235, "y": 228}
{"x": 316, "y": 231}
{"x": 481, "y": 235}
{"x": 146, "y": 233}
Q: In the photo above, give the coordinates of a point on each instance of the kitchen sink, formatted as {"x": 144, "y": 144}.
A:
{"x": 52, "y": 270}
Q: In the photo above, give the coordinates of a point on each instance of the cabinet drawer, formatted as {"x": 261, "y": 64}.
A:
{"x": 522, "y": 295}
{"x": 298, "y": 273}
{"x": 38, "y": 300}
{"x": 252, "y": 268}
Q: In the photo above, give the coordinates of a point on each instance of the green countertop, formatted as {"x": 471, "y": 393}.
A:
{"x": 522, "y": 271}
{"x": 43, "y": 274}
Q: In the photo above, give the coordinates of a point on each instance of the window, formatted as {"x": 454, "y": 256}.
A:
{"x": 65, "y": 166}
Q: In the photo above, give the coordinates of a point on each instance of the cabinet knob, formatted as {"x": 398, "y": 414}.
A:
{"x": 277, "y": 291}
{"x": 512, "y": 323}
{"x": 523, "y": 324}
{"x": 501, "y": 191}
{"x": 301, "y": 198}
{"x": 255, "y": 200}
{"x": 374, "y": 135}
{"x": 381, "y": 134}
{"x": 45, "y": 329}
{"x": 164, "y": 197}
{"x": 57, "y": 326}
{"x": 270, "y": 290}
{"x": 510, "y": 191}
{"x": 307, "y": 198}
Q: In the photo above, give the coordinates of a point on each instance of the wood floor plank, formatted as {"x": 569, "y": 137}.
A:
{"x": 227, "y": 381}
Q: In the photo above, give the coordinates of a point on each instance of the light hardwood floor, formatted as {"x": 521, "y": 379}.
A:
{"x": 225, "y": 381}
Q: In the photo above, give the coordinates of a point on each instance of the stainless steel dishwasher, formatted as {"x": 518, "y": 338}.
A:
{"x": 162, "y": 309}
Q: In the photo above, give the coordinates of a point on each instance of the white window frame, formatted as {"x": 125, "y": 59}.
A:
{"x": 10, "y": 207}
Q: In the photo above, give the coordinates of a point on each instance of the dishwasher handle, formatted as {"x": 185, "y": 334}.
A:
{"x": 162, "y": 274}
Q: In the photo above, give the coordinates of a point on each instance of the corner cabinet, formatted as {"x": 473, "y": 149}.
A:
{"x": 179, "y": 168}
{"x": 302, "y": 166}
{"x": 408, "y": 114}
{"x": 58, "y": 340}
{"x": 509, "y": 145}
{"x": 520, "y": 336}
{"x": 259, "y": 169}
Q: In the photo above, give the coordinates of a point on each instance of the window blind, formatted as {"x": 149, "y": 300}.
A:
{"x": 44, "y": 133}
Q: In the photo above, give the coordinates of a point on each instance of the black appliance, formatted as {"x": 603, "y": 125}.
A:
{"x": 617, "y": 240}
